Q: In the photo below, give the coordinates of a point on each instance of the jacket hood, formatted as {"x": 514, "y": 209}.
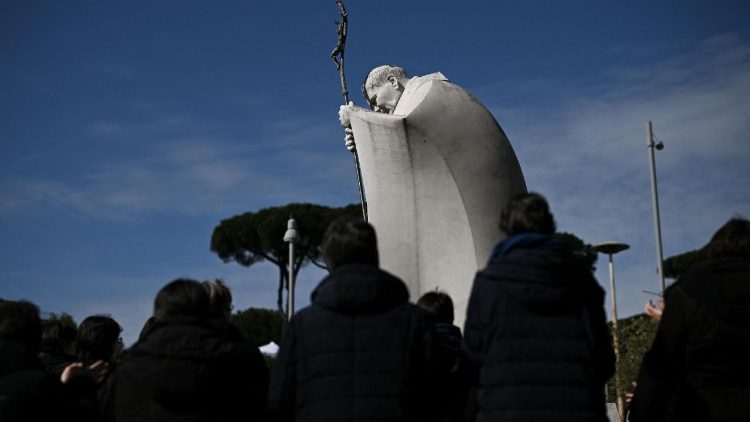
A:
{"x": 359, "y": 288}
{"x": 541, "y": 273}
{"x": 191, "y": 337}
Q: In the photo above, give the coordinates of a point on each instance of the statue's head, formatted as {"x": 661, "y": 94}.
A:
{"x": 383, "y": 88}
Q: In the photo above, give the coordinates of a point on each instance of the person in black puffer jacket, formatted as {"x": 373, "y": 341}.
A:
{"x": 697, "y": 368}
{"x": 358, "y": 353}
{"x": 535, "y": 326}
{"x": 188, "y": 366}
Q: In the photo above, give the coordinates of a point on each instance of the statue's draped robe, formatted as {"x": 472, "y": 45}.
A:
{"x": 436, "y": 174}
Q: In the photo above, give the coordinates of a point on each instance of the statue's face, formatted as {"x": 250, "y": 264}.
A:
{"x": 384, "y": 97}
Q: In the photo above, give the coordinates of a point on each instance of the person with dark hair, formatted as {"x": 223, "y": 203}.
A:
{"x": 697, "y": 366}
{"x": 58, "y": 346}
{"x": 188, "y": 366}
{"x": 358, "y": 352}
{"x": 451, "y": 386}
{"x": 535, "y": 328}
{"x": 98, "y": 339}
{"x": 350, "y": 241}
{"x": 438, "y": 306}
{"x": 27, "y": 391}
{"x": 182, "y": 297}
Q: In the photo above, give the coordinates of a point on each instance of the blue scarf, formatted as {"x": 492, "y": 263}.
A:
{"x": 519, "y": 240}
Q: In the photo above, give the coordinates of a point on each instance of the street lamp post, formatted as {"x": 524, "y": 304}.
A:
{"x": 655, "y": 199}
{"x": 611, "y": 248}
{"x": 291, "y": 238}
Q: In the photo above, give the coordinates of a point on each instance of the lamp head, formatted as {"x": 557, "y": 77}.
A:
{"x": 291, "y": 232}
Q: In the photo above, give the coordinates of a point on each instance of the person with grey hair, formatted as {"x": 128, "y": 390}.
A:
{"x": 358, "y": 352}
{"x": 219, "y": 298}
{"x": 535, "y": 328}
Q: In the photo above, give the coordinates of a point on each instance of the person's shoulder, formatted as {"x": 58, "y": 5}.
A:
{"x": 702, "y": 278}
{"x": 29, "y": 382}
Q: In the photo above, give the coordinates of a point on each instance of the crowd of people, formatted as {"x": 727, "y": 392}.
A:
{"x": 535, "y": 345}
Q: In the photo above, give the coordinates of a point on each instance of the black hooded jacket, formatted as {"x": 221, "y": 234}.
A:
{"x": 189, "y": 369}
{"x": 536, "y": 330}
{"x": 358, "y": 353}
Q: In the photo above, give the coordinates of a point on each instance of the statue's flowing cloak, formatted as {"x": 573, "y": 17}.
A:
{"x": 436, "y": 174}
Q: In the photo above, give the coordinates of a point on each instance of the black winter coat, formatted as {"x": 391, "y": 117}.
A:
{"x": 189, "y": 369}
{"x": 356, "y": 354}
{"x": 55, "y": 362}
{"x": 28, "y": 393}
{"x": 697, "y": 367}
{"x": 536, "y": 330}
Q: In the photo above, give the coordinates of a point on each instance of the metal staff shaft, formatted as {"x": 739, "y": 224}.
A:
{"x": 338, "y": 58}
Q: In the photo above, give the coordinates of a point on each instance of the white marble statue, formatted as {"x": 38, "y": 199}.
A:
{"x": 436, "y": 169}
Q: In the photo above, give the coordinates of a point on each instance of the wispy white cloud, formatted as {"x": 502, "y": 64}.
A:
{"x": 588, "y": 154}
{"x": 157, "y": 167}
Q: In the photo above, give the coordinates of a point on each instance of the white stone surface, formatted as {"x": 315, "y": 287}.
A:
{"x": 436, "y": 174}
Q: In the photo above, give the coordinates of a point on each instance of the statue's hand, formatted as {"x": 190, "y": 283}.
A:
{"x": 344, "y": 112}
{"x": 349, "y": 139}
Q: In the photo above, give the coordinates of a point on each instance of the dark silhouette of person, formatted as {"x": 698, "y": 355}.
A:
{"x": 535, "y": 326}
{"x": 358, "y": 352}
{"x": 98, "y": 338}
{"x": 447, "y": 359}
{"x": 697, "y": 367}
{"x": 189, "y": 366}
{"x": 58, "y": 346}
{"x": 29, "y": 393}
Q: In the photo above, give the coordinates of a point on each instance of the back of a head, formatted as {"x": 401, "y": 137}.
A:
{"x": 731, "y": 240}
{"x": 57, "y": 336}
{"x": 19, "y": 322}
{"x": 438, "y": 306}
{"x": 350, "y": 240}
{"x": 182, "y": 297}
{"x": 219, "y": 298}
{"x": 97, "y": 338}
{"x": 527, "y": 213}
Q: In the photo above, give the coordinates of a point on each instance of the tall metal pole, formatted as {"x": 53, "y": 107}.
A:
{"x": 615, "y": 337}
{"x": 611, "y": 248}
{"x": 290, "y": 237}
{"x": 655, "y": 201}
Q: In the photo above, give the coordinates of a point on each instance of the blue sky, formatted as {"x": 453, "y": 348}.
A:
{"x": 128, "y": 130}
